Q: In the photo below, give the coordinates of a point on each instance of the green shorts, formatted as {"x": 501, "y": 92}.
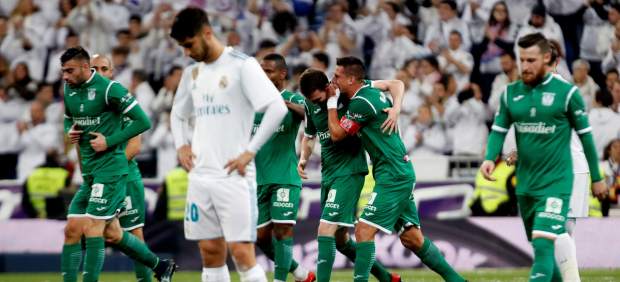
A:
{"x": 277, "y": 203}
{"x": 391, "y": 207}
{"x": 99, "y": 197}
{"x": 339, "y": 197}
{"x": 133, "y": 215}
{"x": 545, "y": 215}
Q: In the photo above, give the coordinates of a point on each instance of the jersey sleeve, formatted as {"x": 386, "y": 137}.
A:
{"x": 578, "y": 117}
{"x": 118, "y": 98}
{"x": 297, "y": 99}
{"x": 359, "y": 113}
{"x": 309, "y": 128}
{"x": 500, "y": 127}
{"x": 256, "y": 86}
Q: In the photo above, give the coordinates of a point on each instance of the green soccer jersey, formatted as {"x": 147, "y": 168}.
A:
{"x": 364, "y": 117}
{"x": 97, "y": 105}
{"x": 276, "y": 161}
{"x": 543, "y": 117}
{"x": 133, "y": 170}
{"x": 342, "y": 158}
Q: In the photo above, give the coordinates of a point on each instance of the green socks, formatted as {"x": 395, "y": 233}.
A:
{"x": 325, "y": 260}
{"x": 283, "y": 257}
{"x": 378, "y": 270}
{"x": 70, "y": 264}
{"x": 143, "y": 273}
{"x": 137, "y": 250}
{"x": 268, "y": 250}
{"x": 544, "y": 260}
{"x": 364, "y": 260}
{"x": 432, "y": 257}
{"x": 93, "y": 261}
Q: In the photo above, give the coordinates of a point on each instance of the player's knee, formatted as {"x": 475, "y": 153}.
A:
{"x": 327, "y": 229}
{"x": 73, "y": 231}
{"x": 113, "y": 235}
{"x": 213, "y": 253}
{"x": 412, "y": 239}
{"x": 282, "y": 231}
{"x": 243, "y": 254}
{"x": 364, "y": 232}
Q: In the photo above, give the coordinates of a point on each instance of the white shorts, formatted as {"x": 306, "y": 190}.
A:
{"x": 580, "y": 197}
{"x": 218, "y": 208}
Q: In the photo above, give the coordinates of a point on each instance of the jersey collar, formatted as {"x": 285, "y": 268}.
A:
{"x": 548, "y": 78}
{"x": 90, "y": 79}
{"x": 358, "y": 90}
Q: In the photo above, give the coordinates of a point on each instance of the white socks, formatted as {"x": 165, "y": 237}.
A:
{"x": 300, "y": 274}
{"x": 217, "y": 274}
{"x": 254, "y": 274}
{"x": 566, "y": 255}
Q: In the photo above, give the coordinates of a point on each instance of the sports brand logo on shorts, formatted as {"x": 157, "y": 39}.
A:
{"x": 97, "y": 190}
{"x": 92, "y": 92}
{"x": 547, "y": 98}
{"x": 128, "y": 205}
{"x": 554, "y": 205}
{"x": 331, "y": 196}
{"x": 282, "y": 195}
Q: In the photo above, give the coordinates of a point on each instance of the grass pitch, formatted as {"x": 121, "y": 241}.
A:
{"x": 511, "y": 275}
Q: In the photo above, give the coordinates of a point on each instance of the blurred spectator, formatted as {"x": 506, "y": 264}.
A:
{"x": 320, "y": 61}
{"x": 604, "y": 121}
{"x": 468, "y": 131}
{"x": 163, "y": 141}
{"x": 615, "y": 94}
{"x": 21, "y": 84}
{"x": 37, "y": 137}
{"x": 412, "y": 99}
{"x": 11, "y": 109}
{"x": 44, "y": 185}
{"x": 293, "y": 84}
{"x": 498, "y": 38}
{"x": 438, "y": 34}
{"x": 143, "y": 92}
{"x": 612, "y": 57}
{"x": 476, "y": 13}
{"x": 594, "y": 20}
{"x": 338, "y": 33}
{"x": 587, "y": 86}
{"x": 4, "y": 71}
{"x": 557, "y": 56}
{"x": 299, "y": 47}
{"x": 265, "y": 47}
{"x": 611, "y": 168}
{"x": 455, "y": 61}
{"x": 96, "y": 22}
{"x": 54, "y": 110}
{"x": 424, "y": 136}
{"x": 394, "y": 50}
{"x": 568, "y": 14}
{"x": 539, "y": 21}
{"x": 429, "y": 74}
{"x": 607, "y": 32}
{"x": 162, "y": 103}
{"x": 53, "y": 63}
{"x": 509, "y": 74}
{"x": 122, "y": 69}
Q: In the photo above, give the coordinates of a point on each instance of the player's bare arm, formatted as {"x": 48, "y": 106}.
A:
{"x": 133, "y": 147}
{"x": 295, "y": 108}
{"x": 396, "y": 88}
{"x": 307, "y": 145}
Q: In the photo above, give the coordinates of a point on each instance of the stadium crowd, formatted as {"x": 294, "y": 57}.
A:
{"x": 455, "y": 58}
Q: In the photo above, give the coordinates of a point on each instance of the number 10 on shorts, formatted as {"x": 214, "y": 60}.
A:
{"x": 191, "y": 212}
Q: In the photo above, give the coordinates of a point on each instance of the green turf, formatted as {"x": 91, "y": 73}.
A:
{"x": 342, "y": 276}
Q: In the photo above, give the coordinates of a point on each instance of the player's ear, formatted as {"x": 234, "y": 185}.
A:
{"x": 547, "y": 58}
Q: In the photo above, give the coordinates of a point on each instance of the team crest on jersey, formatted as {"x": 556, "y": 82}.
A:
{"x": 223, "y": 82}
{"x": 91, "y": 93}
{"x": 547, "y": 98}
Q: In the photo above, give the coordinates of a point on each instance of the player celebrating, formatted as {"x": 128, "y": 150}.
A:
{"x": 223, "y": 90}
{"x": 544, "y": 111}
{"x": 343, "y": 169}
{"x": 94, "y": 107}
{"x": 279, "y": 185}
{"x": 132, "y": 218}
{"x": 391, "y": 206}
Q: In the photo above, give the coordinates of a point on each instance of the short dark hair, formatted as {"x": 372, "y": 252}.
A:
{"x": 615, "y": 6}
{"x": 188, "y": 23}
{"x": 123, "y": 31}
{"x": 603, "y": 98}
{"x": 353, "y": 66}
{"x": 555, "y": 54}
{"x": 610, "y": 71}
{"x": 432, "y": 60}
{"x": 322, "y": 57}
{"x": 278, "y": 59}
{"x": 535, "y": 39}
{"x": 139, "y": 75}
{"x": 173, "y": 69}
{"x": 120, "y": 50}
{"x": 299, "y": 69}
{"x": 454, "y": 31}
{"x": 266, "y": 44}
{"x": 450, "y": 3}
{"x": 311, "y": 80}
{"x": 510, "y": 54}
{"x": 135, "y": 17}
{"x": 74, "y": 53}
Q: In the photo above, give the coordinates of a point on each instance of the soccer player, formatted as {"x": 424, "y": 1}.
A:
{"x": 343, "y": 169}
{"x": 132, "y": 218}
{"x": 544, "y": 111}
{"x": 94, "y": 107}
{"x": 391, "y": 206}
{"x": 222, "y": 90}
{"x": 565, "y": 250}
{"x": 279, "y": 185}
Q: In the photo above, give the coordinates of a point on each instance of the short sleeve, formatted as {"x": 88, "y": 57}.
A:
{"x": 359, "y": 113}
{"x": 309, "y": 128}
{"x": 576, "y": 111}
{"x": 297, "y": 99}
{"x": 502, "y": 121}
{"x": 256, "y": 86}
{"x": 119, "y": 98}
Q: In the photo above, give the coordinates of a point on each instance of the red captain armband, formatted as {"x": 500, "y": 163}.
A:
{"x": 349, "y": 126}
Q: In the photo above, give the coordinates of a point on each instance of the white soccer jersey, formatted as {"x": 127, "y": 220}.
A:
{"x": 580, "y": 163}
{"x": 223, "y": 96}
